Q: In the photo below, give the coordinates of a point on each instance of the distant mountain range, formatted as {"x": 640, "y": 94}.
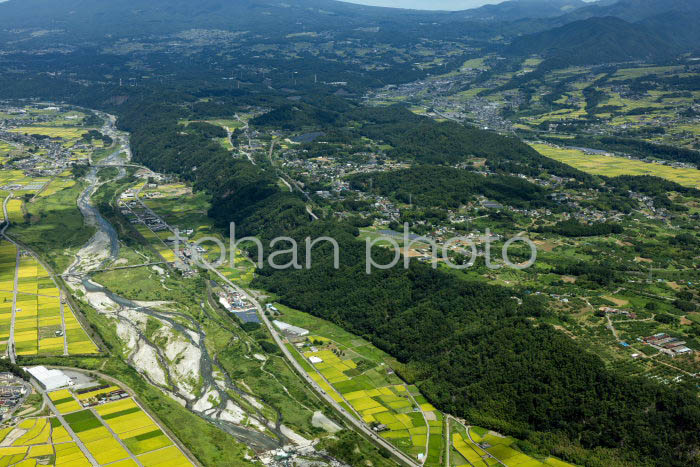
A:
{"x": 594, "y": 40}
{"x": 628, "y": 30}
{"x": 519, "y": 9}
{"x": 584, "y": 32}
{"x": 631, "y": 10}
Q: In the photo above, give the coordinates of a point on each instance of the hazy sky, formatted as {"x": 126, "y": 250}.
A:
{"x": 427, "y": 4}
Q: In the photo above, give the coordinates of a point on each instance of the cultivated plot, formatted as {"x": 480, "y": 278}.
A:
{"x": 612, "y": 166}
{"x": 113, "y": 428}
{"x": 356, "y": 376}
{"x": 43, "y": 324}
{"x": 40, "y": 441}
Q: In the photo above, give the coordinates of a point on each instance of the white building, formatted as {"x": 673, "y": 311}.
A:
{"x": 290, "y": 329}
{"x": 50, "y": 379}
{"x": 225, "y": 303}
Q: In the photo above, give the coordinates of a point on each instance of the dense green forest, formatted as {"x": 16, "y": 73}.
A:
{"x": 432, "y": 186}
{"x": 470, "y": 348}
{"x": 573, "y": 228}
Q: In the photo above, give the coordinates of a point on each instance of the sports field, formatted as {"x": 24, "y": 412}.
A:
{"x": 612, "y": 166}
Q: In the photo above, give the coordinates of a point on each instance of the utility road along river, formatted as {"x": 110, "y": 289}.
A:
{"x": 180, "y": 364}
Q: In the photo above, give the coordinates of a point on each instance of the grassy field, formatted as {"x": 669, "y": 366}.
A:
{"x": 55, "y": 227}
{"x": 612, "y": 166}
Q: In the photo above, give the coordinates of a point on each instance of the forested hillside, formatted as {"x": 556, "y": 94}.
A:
{"x": 448, "y": 187}
{"x": 470, "y": 348}
{"x": 597, "y": 40}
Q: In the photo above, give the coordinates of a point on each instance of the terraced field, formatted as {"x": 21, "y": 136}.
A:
{"x": 612, "y": 166}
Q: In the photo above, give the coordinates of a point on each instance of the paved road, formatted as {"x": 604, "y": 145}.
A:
{"x": 311, "y": 213}
{"x": 427, "y": 426}
{"x": 63, "y": 325}
{"x": 448, "y": 442}
{"x": 403, "y": 458}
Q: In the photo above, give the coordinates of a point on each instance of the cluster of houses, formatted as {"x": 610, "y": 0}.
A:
{"x": 666, "y": 344}
{"x": 137, "y": 214}
{"x": 12, "y": 393}
{"x": 238, "y": 305}
{"x": 35, "y": 164}
{"x": 615, "y": 311}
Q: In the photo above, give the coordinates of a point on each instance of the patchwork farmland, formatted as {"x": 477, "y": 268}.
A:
{"x": 113, "y": 432}
{"x": 43, "y": 323}
{"x": 359, "y": 377}
{"x": 42, "y": 441}
{"x": 8, "y": 260}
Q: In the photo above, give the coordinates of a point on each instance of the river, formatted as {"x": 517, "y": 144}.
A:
{"x": 184, "y": 358}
